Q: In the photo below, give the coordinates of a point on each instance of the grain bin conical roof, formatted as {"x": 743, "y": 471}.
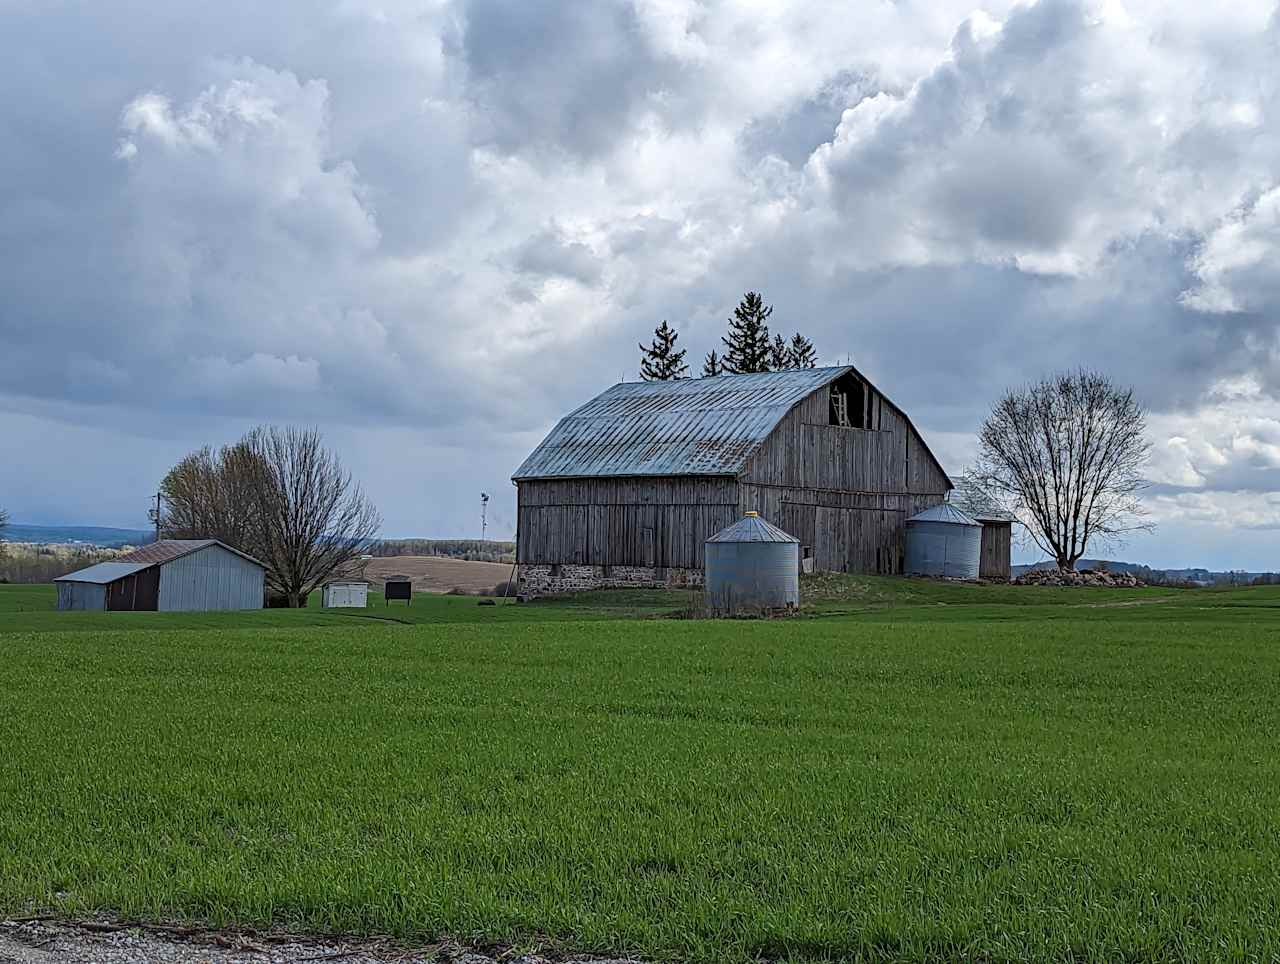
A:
{"x": 948, "y": 514}
{"x": 752, "y": 529}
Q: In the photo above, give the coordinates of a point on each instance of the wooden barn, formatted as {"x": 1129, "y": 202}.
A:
{"x": 626, "y": 489}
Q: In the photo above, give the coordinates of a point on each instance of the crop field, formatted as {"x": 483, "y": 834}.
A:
{"x": 914, "y": 771}
{"x": 439, "y": 573}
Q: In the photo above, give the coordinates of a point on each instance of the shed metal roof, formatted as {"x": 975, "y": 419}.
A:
{"x": 105, "y": 572}
{"x": 690, "y": 426}
{"x": 166, "y": 550}
{"x": 947, "y": 513}
{"x": 752, "y": 529}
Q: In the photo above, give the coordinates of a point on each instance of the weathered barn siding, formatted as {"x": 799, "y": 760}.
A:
{"x": 139, "y": 592}
{"x": 211, "y": 578}
{"x": 842, "y": 531}
{"x": 806, "y": 451}
{"x": 660, "y": 522}
{"x": 997, "y": 539}
{"x": 82, "y": 595}
{"x": 845, "y": 493}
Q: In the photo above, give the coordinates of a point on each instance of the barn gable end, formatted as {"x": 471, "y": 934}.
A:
{"x": 842, "y": 472}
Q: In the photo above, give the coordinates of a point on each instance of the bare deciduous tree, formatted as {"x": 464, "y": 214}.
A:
{"x": 1065, "y": 457}
{"x": 4, "y": 523}
{"x": 279, "y": 495}
{"x": 210, "y": 495}
{"x": 313, "y": 517}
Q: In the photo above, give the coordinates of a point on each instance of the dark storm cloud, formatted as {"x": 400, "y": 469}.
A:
{"x": 569, "y": 77}
{"x": 550, "y": 254}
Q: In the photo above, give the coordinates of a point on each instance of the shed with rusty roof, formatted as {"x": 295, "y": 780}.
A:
{"x": 626, "y": 489}
{"x": 172, "y": 575}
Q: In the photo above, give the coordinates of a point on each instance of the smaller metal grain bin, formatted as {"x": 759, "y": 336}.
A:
{"x": 944, "y": 541}
{"x": 752, "y": 567}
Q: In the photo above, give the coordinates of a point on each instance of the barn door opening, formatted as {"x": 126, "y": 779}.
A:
{"x": 848, "y": 404}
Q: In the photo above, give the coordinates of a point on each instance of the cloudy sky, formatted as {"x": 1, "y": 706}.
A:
{"x": 431, "y": 227}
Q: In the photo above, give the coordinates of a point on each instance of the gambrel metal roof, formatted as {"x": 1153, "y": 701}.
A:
{"x": 690, "y": 426}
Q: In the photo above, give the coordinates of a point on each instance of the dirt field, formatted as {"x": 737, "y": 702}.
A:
{"x": 438, "y": 574}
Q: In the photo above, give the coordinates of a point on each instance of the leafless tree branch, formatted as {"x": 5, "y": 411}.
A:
{"x": 1065, "y": 456}
{"x": 279, "y": 495}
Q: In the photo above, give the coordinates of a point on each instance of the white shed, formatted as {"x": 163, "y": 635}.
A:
{"x": 347, "y": 594}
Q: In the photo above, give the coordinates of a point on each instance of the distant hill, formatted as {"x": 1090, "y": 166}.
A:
{"x": 1205, "y": 577}
{"x": 87, "y": 535}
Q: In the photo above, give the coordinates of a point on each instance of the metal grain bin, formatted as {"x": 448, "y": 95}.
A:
{"x": 752, "y": 566}
{"x": 943, "y": 541}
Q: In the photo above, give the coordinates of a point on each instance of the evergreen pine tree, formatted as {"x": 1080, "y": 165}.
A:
{"x": 779, "y": 354}
{"x": 748, "y": 338}
{"x": 801, "y": 353}
{"x": 661, "y": 362}
{"x": 711, "y": 365}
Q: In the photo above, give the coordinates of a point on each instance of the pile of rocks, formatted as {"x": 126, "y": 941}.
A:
{"x": 1082, "y": 577}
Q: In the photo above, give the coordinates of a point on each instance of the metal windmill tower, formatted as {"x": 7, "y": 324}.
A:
{"x": 484, "y": 515}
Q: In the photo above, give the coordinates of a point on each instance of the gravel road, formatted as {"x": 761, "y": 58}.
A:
{"x": 110, "y": 942}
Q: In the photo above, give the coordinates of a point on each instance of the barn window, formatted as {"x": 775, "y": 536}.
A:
{"x": 555, "y": 570}
{"x": 848, "y": 403}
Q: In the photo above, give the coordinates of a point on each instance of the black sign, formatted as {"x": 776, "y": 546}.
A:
{"x": 398, "y": 589}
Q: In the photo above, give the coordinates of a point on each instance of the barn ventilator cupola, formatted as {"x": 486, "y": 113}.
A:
{"x": 943, "y": 541}
{"x": 752, "y": 567}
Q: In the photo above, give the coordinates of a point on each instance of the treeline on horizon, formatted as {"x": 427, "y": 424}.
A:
{"x": 28, "y": 563}
{"x": 470, "y": 550}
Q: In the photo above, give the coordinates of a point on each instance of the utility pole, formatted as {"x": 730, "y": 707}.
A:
{"x": 484, "y": 514}
{"x": 154, "y": 515}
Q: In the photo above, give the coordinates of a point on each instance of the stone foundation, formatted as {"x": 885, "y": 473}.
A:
{"x": 536, "y": 581}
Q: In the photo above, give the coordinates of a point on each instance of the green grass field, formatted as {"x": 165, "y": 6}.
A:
{"x": 919, "y": 772}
